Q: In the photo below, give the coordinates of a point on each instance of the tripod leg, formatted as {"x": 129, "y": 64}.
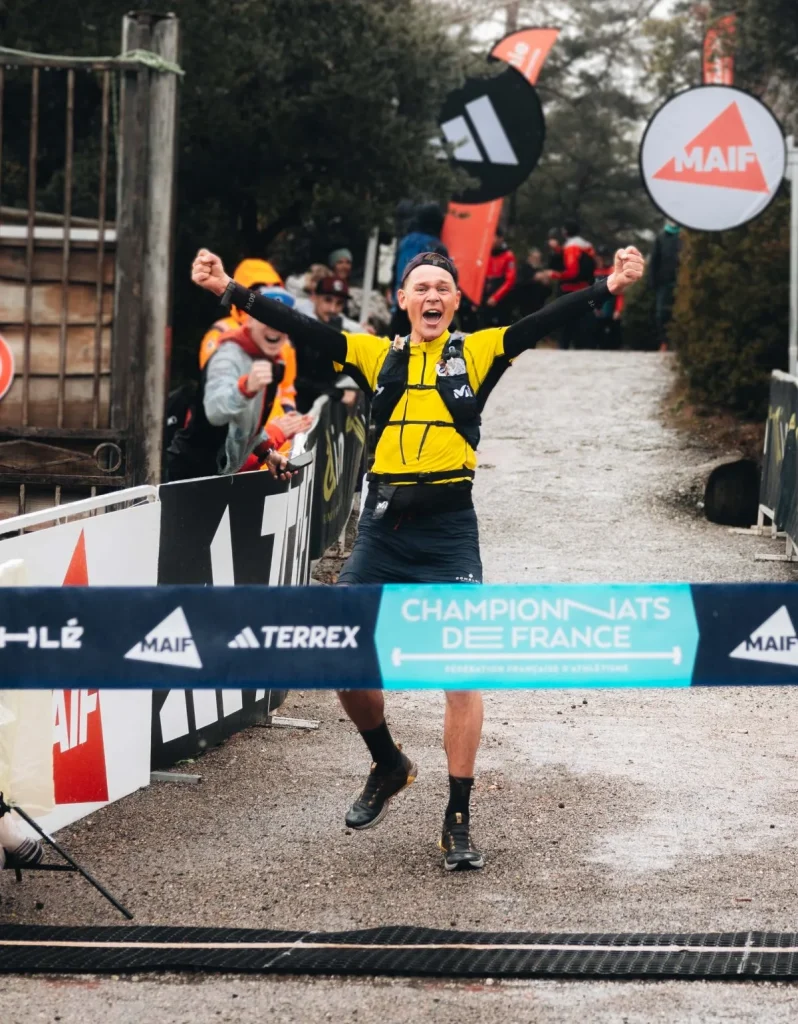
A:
{"x": 81, "y": 871}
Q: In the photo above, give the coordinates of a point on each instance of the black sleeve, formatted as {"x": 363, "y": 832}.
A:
{"x": 528, "y": 332}
{"x": 301, "y": 329}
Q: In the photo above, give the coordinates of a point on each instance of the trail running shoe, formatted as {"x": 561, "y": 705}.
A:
{"x": 459, "y": 852}
{"x": 372, "y": 805}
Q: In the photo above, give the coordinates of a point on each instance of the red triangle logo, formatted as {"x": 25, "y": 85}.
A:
{"x": 77, "y": 575}
{"x": 79, "y": 774}
{"x": 721, "y": 155}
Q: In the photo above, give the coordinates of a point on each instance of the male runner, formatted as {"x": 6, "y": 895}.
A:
{"x": 419, "y": 524}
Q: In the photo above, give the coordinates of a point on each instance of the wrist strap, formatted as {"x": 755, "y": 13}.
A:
{"x": 227, "y": 295}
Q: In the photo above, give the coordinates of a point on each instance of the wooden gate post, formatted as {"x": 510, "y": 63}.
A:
{"x": 145, "y": 230}
{"x": 127, "y": 377}
{"x": 159, "y": 244}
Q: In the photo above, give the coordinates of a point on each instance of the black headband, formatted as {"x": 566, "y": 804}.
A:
{"x": 429, "y": 259}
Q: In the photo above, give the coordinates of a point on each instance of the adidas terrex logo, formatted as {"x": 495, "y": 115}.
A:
{"x": 480, "y": 115}
{"x": 169, "y": 643}
{"x": 775, "y": 641}
{"x": 293, "y": 637}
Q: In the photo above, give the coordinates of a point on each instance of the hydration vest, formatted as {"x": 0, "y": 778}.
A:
{"x": 452, "y": 384}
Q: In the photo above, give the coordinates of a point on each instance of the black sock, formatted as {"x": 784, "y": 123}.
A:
{"x": 382, "y": 748}
{"x": 459, "y": 795}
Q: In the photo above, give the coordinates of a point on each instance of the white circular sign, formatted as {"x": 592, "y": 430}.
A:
{"x": 712, "y": 158}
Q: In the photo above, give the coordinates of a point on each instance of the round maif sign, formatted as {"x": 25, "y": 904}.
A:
{"x": 712, "y": 158}
{"x": 6, "y": 366}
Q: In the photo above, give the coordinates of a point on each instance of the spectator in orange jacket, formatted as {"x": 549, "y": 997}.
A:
{"x": 499, "y": 282}
{"x": 246, "y": 404}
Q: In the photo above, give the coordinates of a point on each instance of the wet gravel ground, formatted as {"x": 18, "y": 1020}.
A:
{"x": 598, "y": 811}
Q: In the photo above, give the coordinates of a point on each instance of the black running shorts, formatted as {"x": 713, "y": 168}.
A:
{"x": 436, "y": 547}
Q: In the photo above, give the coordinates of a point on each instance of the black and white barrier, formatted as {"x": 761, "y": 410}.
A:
{"x": 220, "y": 531}
{"x": 778, "y": 493}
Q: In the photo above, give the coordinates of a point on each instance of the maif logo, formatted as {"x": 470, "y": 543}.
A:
{"x": 721, "y": 155}
{"x": 775, "y": 641}
{"x": 713, "y": 158}
{"x": 169, "y": 643}
{"x": 79, "y": 774}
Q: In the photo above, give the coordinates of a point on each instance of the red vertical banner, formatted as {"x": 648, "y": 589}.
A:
{"x": 468, "y": 230}
{"x": 468, "y": 234}
{"x": 718, "y": 62}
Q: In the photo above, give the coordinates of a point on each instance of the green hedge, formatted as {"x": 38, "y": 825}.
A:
{"x": 731, "y": 314}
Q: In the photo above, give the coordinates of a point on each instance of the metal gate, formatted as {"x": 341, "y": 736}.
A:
{"x": 87, "y": 152}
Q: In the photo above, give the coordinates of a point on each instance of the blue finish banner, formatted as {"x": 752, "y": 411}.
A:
{"x": 399, "y": 637}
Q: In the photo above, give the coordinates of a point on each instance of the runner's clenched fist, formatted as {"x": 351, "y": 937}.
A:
{"x": 207, "y": 271}
{"x": 628, "y": 268}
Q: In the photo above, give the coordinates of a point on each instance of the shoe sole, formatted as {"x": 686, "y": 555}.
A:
{"x": 461, "y": 865}
{"x": 411, "y": 778}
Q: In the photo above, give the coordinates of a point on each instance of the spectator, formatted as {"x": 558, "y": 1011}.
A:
{"x": 530, "y": 293}
{"x": 248, "y": 376}
{"x": 340, "y": 262}
{"x": 579, "y": 264}
{"x": 663, "y": 269}
{"x": 316, "y": 375}
{"x": 499, "y": 282}
{"x": 302, "y": 286}
{"x": 250, "y": 273}
{"x": 554, "y": 245}
{"x": 424, "y": 235}
{"x": 607, "y": 325}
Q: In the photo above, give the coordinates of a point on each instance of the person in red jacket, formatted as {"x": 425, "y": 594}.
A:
{"x": 499, "y": 282}
{"x": 579, "y": 266}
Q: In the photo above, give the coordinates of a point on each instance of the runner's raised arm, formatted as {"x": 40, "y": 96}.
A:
{"x": 526, "y": 333}
{"x": 207, "y": 271}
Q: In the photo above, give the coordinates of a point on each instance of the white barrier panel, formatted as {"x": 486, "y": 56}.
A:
{"x": 119, "y": 548}
{"x": 99, "y": 749}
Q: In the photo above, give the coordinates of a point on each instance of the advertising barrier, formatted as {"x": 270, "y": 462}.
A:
{"x": 222, "y": 530}
{"x": 401, "y": 637}
{"x": 225, "y": 531}
{"x": 778, "y": 498}
{"x": 339, "y": 462}
{"x": 99, "y": 749}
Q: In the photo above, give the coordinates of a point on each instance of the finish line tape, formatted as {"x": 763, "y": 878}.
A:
{"x": 399, "y": 637}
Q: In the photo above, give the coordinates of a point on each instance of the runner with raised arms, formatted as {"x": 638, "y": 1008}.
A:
{"x": 419, "y": 525}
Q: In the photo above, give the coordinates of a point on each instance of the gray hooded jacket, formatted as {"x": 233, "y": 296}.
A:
{"x": 226, "y": 405}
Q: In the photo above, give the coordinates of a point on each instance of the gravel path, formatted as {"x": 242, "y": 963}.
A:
{"x": 636, "y": 810}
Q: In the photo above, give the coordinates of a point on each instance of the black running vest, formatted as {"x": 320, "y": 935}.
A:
{"x": 452, "y": 384}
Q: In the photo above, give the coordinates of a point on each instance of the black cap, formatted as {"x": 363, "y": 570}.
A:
{"x": 430, "y": 259}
